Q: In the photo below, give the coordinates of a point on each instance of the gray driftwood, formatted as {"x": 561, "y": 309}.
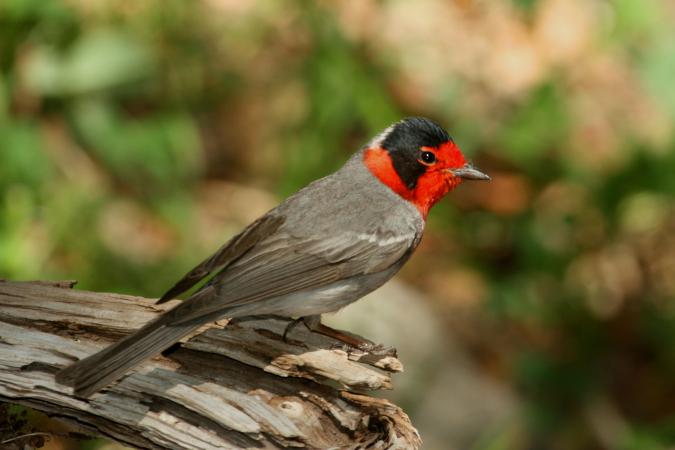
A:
{"x": 240, "y": 386}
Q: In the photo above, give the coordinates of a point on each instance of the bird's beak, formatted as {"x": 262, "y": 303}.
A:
{"x": 468, "y": 172}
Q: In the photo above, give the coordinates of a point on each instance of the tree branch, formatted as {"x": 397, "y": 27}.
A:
{"x": 240, "y": 386}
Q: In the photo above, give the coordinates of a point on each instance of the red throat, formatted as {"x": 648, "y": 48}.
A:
{"x": 431, "y": 186}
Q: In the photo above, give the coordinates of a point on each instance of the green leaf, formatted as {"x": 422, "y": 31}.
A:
{"x": 100, "y": 59}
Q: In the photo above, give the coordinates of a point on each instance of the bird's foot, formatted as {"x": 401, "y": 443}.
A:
{"x": 290, "y": 328}
{"x": 347, "y": 342}
{"x": 368, "y": 347}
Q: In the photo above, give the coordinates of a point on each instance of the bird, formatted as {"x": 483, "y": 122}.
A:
{"x": 324, "y": 247}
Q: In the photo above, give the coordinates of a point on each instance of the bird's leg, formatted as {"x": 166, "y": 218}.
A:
{"x": 313, "y": 323}
{"x": 292, "y": 325}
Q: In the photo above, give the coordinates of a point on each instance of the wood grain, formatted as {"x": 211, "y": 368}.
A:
{"x": 235, "y": 386}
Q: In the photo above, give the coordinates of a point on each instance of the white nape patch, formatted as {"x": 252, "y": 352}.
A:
{"x": 375, "y": 239}
{"x": 377, "y": 140}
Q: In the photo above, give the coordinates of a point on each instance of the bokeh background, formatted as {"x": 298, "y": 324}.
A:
{"x": 135, "y": 137}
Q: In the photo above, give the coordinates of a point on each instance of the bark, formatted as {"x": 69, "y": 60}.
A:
{"x": 239, "y": 386}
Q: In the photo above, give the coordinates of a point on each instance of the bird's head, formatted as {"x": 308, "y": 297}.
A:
{"x": 418, "y": 160}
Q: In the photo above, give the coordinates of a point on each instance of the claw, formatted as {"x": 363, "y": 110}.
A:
{"x": 346, "y": 342}
{"x": 290, "y": 327}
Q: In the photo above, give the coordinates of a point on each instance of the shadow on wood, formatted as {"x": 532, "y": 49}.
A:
{"x": 239, "y": 386}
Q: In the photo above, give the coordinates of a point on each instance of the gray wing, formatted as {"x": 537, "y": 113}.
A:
{"x": 273, "y": 267}
{"x": 225, "y": 255}
{"x": 283, "y": 265}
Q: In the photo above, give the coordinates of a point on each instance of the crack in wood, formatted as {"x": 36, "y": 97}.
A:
{"x": 213, "y": 391}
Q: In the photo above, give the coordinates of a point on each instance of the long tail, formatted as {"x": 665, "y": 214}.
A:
{"x": 100, "y": 369}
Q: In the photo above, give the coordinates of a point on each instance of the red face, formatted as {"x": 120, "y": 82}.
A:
{"x": 419, "y": 161}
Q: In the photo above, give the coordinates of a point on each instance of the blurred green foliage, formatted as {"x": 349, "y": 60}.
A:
{"x": 113, "y": 115}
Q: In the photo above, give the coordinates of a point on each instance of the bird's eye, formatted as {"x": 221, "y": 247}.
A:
{"x": 427, "y": 158}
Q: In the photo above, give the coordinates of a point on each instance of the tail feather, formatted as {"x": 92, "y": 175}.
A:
{"x": 98, "y": 370}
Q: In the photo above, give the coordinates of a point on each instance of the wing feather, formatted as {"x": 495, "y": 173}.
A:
{"x": 225, "y": 255}
{"x": 300, "y": 265}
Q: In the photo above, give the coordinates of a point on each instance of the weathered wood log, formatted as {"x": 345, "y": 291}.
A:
{"x": 239, "y": 386}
